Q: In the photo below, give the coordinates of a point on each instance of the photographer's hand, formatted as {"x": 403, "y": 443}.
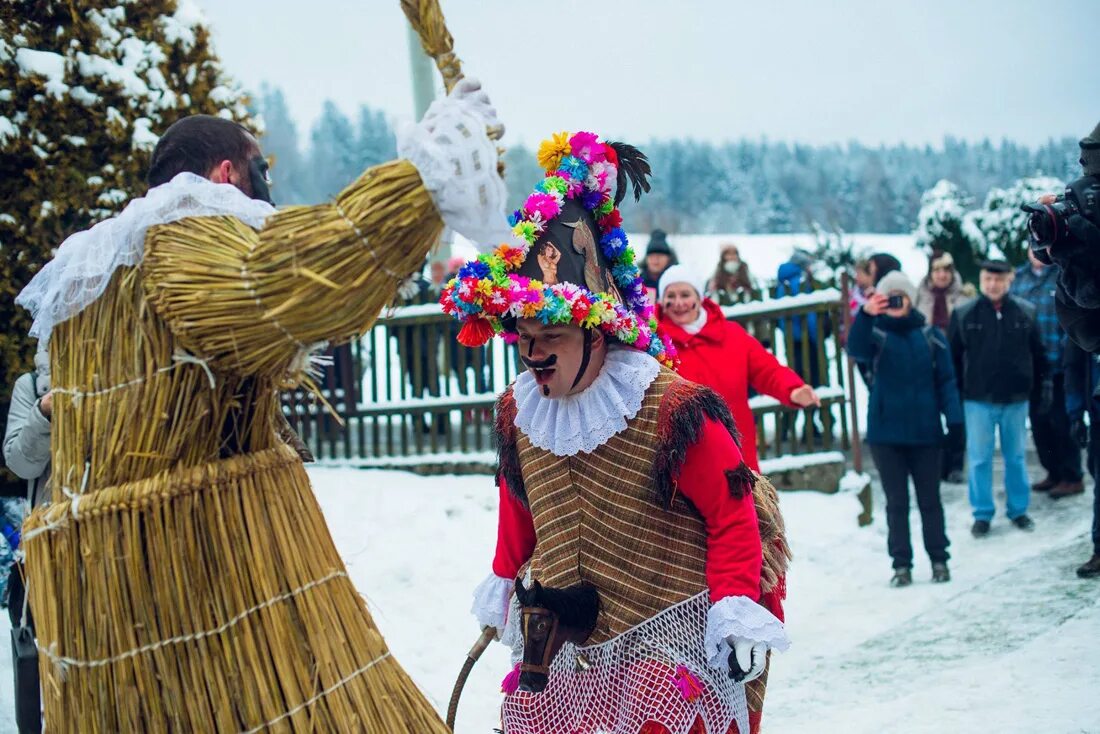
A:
{"x": 876, "y": 304}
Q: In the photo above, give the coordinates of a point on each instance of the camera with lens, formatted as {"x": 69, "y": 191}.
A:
{"x": 1047, "y": 224}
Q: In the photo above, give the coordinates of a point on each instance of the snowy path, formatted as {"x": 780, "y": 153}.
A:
{"x": 1010, "y": 645}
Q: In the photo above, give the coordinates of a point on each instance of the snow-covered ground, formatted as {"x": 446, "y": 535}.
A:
{"x": 1010, "y": 645}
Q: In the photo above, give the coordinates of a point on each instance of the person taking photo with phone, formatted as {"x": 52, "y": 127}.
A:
{"x": 912, "y": 385}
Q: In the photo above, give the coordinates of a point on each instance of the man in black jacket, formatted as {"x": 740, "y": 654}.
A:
{"x": 999, "y": 361}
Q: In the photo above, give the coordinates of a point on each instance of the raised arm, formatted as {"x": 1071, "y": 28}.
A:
{"x": 258, "y": 302}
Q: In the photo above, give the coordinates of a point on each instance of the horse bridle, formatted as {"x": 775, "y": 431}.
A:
{"x": 544, "y": 667}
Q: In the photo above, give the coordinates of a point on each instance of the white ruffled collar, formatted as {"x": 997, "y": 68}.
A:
{"x": 584, "y": 422}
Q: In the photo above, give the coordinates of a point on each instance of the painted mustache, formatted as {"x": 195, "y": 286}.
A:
{"x": 540, "y": 364}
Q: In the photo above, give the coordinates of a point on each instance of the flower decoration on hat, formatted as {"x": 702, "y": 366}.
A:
{"x": 570, "y": 261}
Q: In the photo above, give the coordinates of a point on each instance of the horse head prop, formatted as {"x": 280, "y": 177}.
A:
{"x": 552, "y": 617}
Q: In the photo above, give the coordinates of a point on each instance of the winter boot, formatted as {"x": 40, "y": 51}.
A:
{"x": 902, "y": 577}
{"x": 940, "y": 574}
{"x": 955, "y": 476}
{"x": 1023, "y": 522}
{"x": 1067, "y": 489}
{"x": 1044, "y": 486}
{"x": 1091, "y": 569}
{"x": 980, "y": 528}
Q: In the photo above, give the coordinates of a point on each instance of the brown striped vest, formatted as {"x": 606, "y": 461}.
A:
{"x": 598, "y": 519}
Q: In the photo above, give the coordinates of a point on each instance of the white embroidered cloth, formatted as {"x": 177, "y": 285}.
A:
{"x": 84, "y": 263}
{"x": 632, "y": 679}
{"x": 583, "y": 422}
{"x": 458, "y": 164}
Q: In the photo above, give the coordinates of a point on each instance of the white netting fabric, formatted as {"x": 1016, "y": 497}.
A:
{"x": 82, "y": 266}
{"x": 584, "y": 422}
{"x": 458, "y": 164}
{"x": 633, "y": 679}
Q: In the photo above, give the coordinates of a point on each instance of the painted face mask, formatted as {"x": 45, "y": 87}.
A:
{"x": 260, "y": 179}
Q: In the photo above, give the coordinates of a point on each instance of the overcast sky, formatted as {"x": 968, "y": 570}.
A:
{"x": 876, "y": 71}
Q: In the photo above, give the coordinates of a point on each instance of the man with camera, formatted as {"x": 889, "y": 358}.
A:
{"x": 1065, "y": 230}
{"x": 999, "y": 360}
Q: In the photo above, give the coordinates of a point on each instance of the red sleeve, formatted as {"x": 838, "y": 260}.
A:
{"x": 733, "y": 537}
{"x": 515, "y": 535}
{"x": 766, "y": 374}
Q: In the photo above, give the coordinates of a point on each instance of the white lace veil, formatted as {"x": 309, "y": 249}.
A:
{"x": 84, "y": 263}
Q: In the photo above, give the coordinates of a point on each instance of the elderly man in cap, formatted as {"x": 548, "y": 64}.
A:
{"x": 999, "y": 361}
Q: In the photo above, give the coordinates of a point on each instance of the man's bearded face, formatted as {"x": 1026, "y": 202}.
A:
{"x": 553, "y": 354}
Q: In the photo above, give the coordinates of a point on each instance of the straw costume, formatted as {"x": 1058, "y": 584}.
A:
{"x": 183, "y": 579}
{"x": 635, "y": 484}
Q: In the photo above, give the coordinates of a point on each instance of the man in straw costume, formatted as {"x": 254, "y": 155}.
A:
{"x": 170, "y": 585}
{"x": 617, "y": 473}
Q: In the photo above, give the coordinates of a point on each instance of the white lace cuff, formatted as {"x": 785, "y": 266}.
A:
{"x": 741, "y": 617}
{"x": 491, "y": 598}
{"x": 458, "y": 164}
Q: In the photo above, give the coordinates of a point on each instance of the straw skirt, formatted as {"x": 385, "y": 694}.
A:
{"x": 208, "y": 599}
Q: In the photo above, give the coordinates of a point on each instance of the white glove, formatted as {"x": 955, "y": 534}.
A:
{"x": 747, "y": 659}
{"x": 458, "y": 163}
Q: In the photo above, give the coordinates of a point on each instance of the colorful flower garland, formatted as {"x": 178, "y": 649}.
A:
{"x": 487, "y": 289}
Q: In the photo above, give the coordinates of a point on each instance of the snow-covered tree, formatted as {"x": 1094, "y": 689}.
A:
{"x": 292, "y": 182}
{"x": 85, "y": 90}
{"x": 376, "y": 141}
{"x": 1004, "y": 224}
{"x": 333, "y": 156}
{"x": 944, "y": 224}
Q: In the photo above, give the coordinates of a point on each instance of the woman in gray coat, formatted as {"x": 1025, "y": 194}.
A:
{"x": 27, "y": 438}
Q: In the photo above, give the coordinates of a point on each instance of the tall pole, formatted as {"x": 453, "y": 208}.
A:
{"x": 422, "y": 72}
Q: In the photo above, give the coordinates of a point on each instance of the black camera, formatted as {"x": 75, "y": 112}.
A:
{"x": 895, "y": 301}
{"x": 1047, "y": 223}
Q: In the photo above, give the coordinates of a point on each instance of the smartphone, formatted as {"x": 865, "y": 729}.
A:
{"x": 895, "y": 301}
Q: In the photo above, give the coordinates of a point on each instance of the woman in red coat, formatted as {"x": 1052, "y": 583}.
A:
{"x": 721, "y": 355}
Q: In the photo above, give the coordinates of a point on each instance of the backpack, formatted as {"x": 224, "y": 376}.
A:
{"x": 878, "y": 336}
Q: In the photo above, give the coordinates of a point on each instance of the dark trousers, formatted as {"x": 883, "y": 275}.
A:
{"x": 1058, "y": 452}
{"x": 954, "y": 449}
{"x": 896, "y": 464}
{"x": 1094, "y": 470}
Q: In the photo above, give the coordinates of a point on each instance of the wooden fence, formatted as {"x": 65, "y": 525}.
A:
{"x": 410, "y": 396}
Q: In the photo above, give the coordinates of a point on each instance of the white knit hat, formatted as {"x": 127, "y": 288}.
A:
{"x": 895, "y": 280}
{"x": 679, "y": 274}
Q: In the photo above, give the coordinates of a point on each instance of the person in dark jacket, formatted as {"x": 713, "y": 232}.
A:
{"x": 999, "y": 361}
{"x": 1082, "y": 372}
{"x": 1036, "y": 283}
{"x": 1078, "y": 301}
{"x": 659, "y": 257}
{"x": 913, "y": 385}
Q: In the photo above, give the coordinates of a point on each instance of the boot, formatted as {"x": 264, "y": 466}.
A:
{"x": 940, "y": 573}
{"x": 902, "y": 577}
{"x": 1044, "y": 486}
{"x": 1091, "y": 568}
{"x": 1067, "y": 489}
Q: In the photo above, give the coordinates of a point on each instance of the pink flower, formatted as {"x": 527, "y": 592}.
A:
{"x": 543, "y": 204}
{"x": 587, "y": 147}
